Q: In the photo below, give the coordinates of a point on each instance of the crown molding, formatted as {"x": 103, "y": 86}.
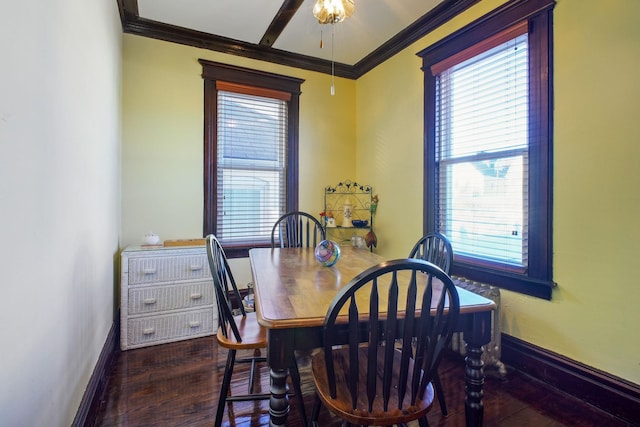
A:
{"x": 132, "y": 23}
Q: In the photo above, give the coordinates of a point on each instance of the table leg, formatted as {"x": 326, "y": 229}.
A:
{"x": 279, "y": 357}
{"x": 279, "y": 402}
{"x": 477, "y": 334}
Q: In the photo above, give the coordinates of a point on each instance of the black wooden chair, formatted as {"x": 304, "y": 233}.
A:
{"x": 297, "y": 230}
{"x": 239, "y": 332}
{"x": 377, "y": 369}
{"x": 435, "y": 248}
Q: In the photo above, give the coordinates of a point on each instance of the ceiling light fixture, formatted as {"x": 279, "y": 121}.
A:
{"x": 332, "y": 12}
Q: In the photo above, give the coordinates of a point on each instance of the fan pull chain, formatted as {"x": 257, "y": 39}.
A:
{"x": 333, "y": 86}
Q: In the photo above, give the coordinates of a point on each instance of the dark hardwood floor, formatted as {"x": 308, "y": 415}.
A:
{"x": 178, "y": 384}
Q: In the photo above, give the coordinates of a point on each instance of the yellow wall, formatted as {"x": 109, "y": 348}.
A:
{"x": 162, "y": 150}
{"x": 594, "y": 313}
{"x": 372, "y": 131}
{"x": 163, "y": 136}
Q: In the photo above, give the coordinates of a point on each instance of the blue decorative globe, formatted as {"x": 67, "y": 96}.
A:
{"x": 327, "y": 253}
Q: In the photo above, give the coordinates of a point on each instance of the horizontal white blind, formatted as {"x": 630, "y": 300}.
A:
{"x": 482, "y": 153}
{"x": 251, "y": 159}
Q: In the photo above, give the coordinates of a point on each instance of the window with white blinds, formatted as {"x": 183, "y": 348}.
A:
{"x": 252, "y": 166}
{"x": 251, "y": 145}
{"x": 482, "y": 153}
{"x": 488, "y": 172}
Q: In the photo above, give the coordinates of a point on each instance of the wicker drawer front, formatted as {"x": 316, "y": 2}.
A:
{"x": 166, "y": 295}
{"x": 158, "y": 298}
{"x": 171, "y": 327}
{"x": 166, "y": 269}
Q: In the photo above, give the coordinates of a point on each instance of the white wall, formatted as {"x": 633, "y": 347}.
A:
{"x": 59, "y": 201}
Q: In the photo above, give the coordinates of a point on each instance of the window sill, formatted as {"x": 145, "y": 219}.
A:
{"x": 242, "y": 251}
{"x": 513, "y": 282}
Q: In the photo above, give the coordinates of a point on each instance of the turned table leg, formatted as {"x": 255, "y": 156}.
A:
{"x": 477, "y": 334}
{"x": 279, "y": 402}
{"x": 280, "y": 358}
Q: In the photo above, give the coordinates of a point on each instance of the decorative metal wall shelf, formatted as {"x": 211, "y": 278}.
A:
{"x": 347, "y": 192}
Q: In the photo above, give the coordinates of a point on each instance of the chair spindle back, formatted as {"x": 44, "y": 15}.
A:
{"x": 435, "y": 248}
{"x": 420, "y": 308}
{"x": 224, "y": 283}
{"x": 297, "y": 230}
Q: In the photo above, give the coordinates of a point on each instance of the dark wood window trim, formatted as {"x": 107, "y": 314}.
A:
{"x": 213, "y": 72}
{"x": 537, "y": 280}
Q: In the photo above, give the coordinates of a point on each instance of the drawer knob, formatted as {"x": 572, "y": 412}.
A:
{"x": 148, "y": 331}
{"x": 149, "y": 301}
{"x": 149, "y": 271}
{"x": 194, "y": 324}
{"x": 196, "y": 295}
{"x": 195, "y": 267}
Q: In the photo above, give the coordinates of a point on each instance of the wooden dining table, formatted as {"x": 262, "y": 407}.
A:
{"x": 293, "y": 292}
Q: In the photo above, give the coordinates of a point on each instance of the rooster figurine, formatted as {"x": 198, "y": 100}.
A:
{"x": 371, "y": 239}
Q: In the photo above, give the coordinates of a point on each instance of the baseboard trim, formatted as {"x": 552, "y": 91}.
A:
{"x": 614, "y": 395}
{"x": 95, "y": 388}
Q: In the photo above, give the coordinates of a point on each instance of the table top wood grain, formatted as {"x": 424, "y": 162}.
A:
{"x": 293, "y": 290}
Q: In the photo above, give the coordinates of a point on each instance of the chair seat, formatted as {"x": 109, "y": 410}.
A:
{"x": 342, "y": 406}
{"x": 251, "y": 333}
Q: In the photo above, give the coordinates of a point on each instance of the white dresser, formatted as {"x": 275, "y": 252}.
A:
{"x": 166, "y": 295}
